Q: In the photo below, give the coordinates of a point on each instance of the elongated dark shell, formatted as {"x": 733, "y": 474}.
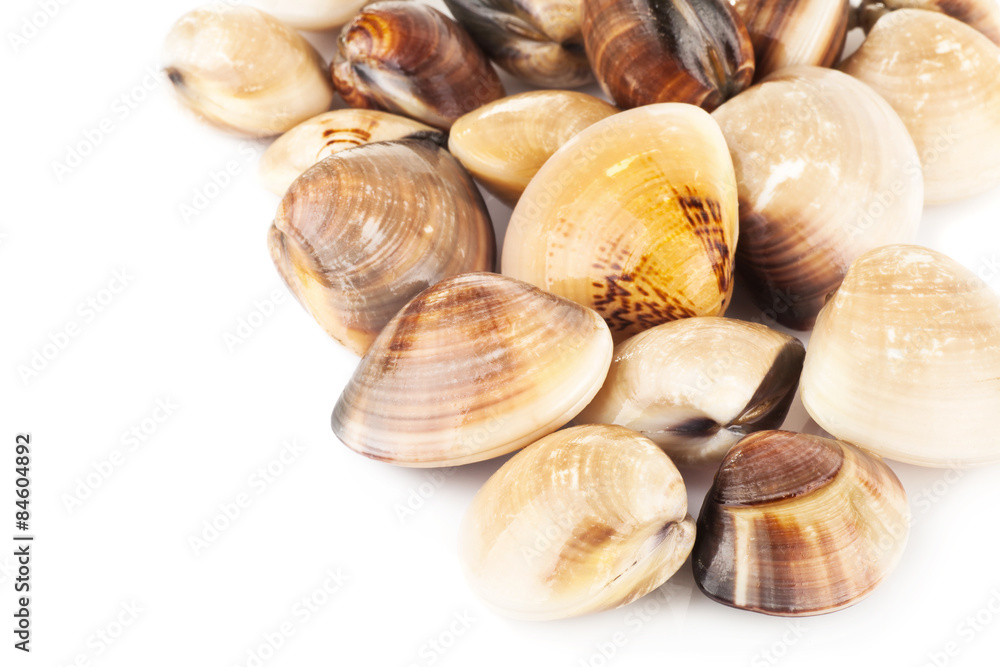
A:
{"x": 361, "y": 232}
{"x": 647, "y": 51}
{"x": 983, "y": 15}
{"x": 797, "y": 525}
{"x": 474, "y": 367}
{"x": 411, "y": 59}
{"x": 535, "y": 40}
{"x": 794, "y": 32}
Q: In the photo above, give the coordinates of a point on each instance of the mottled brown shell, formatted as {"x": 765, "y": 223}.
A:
{"x": 797, "y": 525}
{"x": 361, "y": 232}
{"x": 538, "y": 41}
{"x": 411, "y": 59}
{"x": 648, "y": 51}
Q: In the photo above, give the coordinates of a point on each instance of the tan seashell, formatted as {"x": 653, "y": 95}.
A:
{"x": 475, "y": 367}
{"x": 320, "y": 137}
{"x": 244, "y": 70}
{"x": 360, "y": 233}
{"x": 411, "y": 59}
{"x": 797, "y": 32}
{"x": 797, "y": 525}
{"x": 636, "y": 217}
{"x": 698, "y": 385}
{"x": 311, "y": 14}
{"x": 826, "y": 171}
{"x": 905, "y": 360}
{"x": 586, "y": 519}
{"x": 539, "y": 41}
{"x": 983, "y": 15}
{"x": 648, "y": 51}
{"x": 504, "y": 143}
{"x": 943, "y": 79}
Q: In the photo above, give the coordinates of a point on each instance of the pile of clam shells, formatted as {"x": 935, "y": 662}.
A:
{"x": 736, "y": 146}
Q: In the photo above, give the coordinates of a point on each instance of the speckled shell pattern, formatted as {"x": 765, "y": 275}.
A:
{"x": 586, "y": 519}
{"x": 363, "y": 231}
{"x": 475, "y": 367}
{"x": 798, "y": 525}
{"x": 636, "y": 217}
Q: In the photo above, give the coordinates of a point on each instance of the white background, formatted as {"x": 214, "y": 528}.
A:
{"x": 190, "y": 283}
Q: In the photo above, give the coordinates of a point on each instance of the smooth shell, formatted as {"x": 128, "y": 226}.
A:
{"x": 586, "y": 519}
{"x": 943, "y": 79}
{"x": 244, "y": 70}
{"x": 983, "y": 15}
{"x": 311, "y": 14}
{"x": 360, "y": 233}
{"x": 696, "y": 386}
{"x": 320, "y": 137}
{"x": 411, "y": 59}
{"x": 796, "y": 32}
{"x": 538, "y": 41}
{"x": 475, "y": 367}
{"x": 905, "y": 360}
{"x": 504, "y": 143}
{"x": 648, "y": 51}
{"x": 636, "y": 217}
{"x": 797, "y": 525}
{"x": 826, "y": 171}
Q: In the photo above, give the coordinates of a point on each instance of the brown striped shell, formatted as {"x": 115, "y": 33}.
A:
{"x": 797, "y": 525}
{"x": 538, "y": 41}
{"x": 635, "y": 216}
{"x": 801, "y": 32}
{"x": 321, "y": 136}
{"x": 696, "y": 386}
{"x": 411, "y": 59}
{"x": 472, "y": 368}
{"x": 586, "y": 519}
{"x": 983, "y": 15}
{"x": 361, "y": 232}
{"x": 648, "y": 51}
{"x": 504, "y": 143}
{"x": 826, "y": 171}
{"x": 244, "y": 71}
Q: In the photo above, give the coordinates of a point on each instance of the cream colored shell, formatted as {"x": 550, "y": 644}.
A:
{"x": 244, "y": 70}
{"x": 504, "y": 143}
{"x": 826, "y": 171}
{"x": 943, "y": 79}
{"x": 905, "y": 360}
{"x": 311, "y": 14}
{"x": 475, "y": 367}
{"x": 636, "y": 217}
{"x": 696, "y": 386}
{"x": 321, "y": 136}
{"x": 586, "y": 519}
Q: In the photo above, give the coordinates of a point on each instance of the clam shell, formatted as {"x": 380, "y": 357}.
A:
{"x": 311, "y": 14}
{"x": 648, "y": 51}
{"x": 504, "y": 143}
{"x": 696, "y": 386}
{"x": 802, "y": 32}
{"x": 475, "y": 367}
{"x": 943, "y": 79}
{"x": 826, "y": 171}
{"x": 243, "y": 70}
{"x": 360, "y": 233}
{"x": 983, "y": 15}
{"x": 636, "y": 217}
{"x": 905, "y": 360}
{"x": 539, "y": 41}
{"x": 320, "y": 137}
{"x": 411, "y": 59}
{"x": 797, "y": 525}
{"x": 586, "y": 519}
